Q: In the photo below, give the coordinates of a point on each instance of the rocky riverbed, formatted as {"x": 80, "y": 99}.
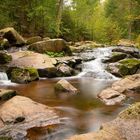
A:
{"x": 103, "y": 80}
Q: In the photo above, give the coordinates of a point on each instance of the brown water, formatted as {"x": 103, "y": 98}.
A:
{"x": 85, "y": 111}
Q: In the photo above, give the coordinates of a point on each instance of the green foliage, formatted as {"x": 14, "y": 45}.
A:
{"x": 82, "y": 20}
{"x": 55, "y": 54}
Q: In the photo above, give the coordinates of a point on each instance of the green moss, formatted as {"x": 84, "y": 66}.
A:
{"x": 24, "y": 75}
{"x": 32, "y": 72}
{"x": 133, "y": 112}
{"x": 128, "y": 66}
{"x": 130, "y": 62}
{"x": 55, "y": 54}
{"x": 5, "y": 58}
{"x": 59, "y": 87}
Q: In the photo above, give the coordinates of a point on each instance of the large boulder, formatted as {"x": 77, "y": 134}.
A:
{"x": 46, "y": 66}
{"x": 124, "y": 67}
{"x": 19, "y": 114}
{"x": 23, "y": 75}
{"x": 12, "y": 36}
{"x": 125, "y": 127}
{"x": 115, "y": 57}
{"x": 65, "y": 86}
{"x": 131, "y": 51}
{"x": 5, "y": 57}
{"x": 52, "y": 45}
{"x": 34, "y": 39}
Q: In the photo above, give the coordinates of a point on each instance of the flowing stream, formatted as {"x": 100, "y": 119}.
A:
{"x": 3, "y": 76}
{"x": 96, "y": 68}
{"x": 85, "y": 111}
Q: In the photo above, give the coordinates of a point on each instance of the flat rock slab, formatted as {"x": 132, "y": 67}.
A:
{"x": 37, "y": 60}
{"x": 31, "y": 59}
{"x": 111, "y": 97}
{"x": 120, "y": 89}
{"x": 6, "y": 94}
{"x": 21, "y": 113}
{"x": 125, "y": 127}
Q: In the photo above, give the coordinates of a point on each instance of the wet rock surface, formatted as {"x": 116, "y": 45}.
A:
{"x": 115, "y": 57}
{"x": 120, "y": 89}
{"x": 21, "y": 113}
{"x": 65, "y": 86}
{"x": 46, "y": 66}
{"x": 111, "y": 97}
{"x": 125, "y": 127}
{"x": 133, "y": 52}
{"x": 22, "y": 75}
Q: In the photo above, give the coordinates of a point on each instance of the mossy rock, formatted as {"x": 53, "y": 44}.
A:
{"x": 129, "y": 66}
{"x": 115, "y": 57}
{"x": 5, "y": 57}
{"x": 133, "y": 112}
{"x": 23, "y": 75}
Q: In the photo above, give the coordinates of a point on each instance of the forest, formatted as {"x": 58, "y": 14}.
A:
{"x": 69, "y": 69}
{"x": 104, "y": 21}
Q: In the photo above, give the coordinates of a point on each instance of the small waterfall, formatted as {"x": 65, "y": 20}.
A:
{"x": 3, "y": 76}
{"x": 96, "y": 68}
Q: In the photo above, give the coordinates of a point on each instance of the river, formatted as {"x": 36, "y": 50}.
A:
{"x": 85, "y": 111}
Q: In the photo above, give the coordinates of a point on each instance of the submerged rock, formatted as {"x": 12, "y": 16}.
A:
{"x": 5, "y": 57}
{"x": 21, "y": 113}
{"x": 23, "y": 75}
{"x": 52, "y": 45}
{"x": 6, "y": 94}
{"x": 13, "y": 36}
{"x": 65, "y": 86}
{"x": 125, "y": 127}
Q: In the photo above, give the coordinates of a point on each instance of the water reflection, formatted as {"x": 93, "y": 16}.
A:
{"x": 84, "y": 109}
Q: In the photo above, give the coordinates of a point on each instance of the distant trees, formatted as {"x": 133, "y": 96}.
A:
{"x": 81, "y": 20}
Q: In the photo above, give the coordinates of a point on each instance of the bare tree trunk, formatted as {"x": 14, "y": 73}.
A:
{"x": 59, "y": 16}
{"x": 130, "y": 22}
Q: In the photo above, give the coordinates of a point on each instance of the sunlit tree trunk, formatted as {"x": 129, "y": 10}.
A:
{"x": 130, "y": 20}
{"x": 59, "y": 16}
